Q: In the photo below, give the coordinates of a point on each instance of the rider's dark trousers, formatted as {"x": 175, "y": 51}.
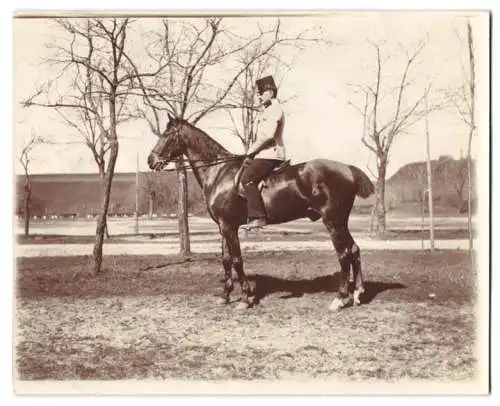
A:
{"x": 253, "y": 174}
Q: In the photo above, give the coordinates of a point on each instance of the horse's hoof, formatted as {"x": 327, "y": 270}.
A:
{"x": 242, "y": 305}
{"x": 336, "y": 305}
{"x": 222, "y": 301}
{"x": 251, "y": 301}
{"x": 357, "y": 294}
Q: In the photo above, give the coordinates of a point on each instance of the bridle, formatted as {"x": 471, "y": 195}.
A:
{"x": 175, "y": 131}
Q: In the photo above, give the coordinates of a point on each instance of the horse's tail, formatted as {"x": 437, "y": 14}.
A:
{"x": 364, "y": 186}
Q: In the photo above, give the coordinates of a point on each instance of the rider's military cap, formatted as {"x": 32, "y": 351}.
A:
{"x": 266, "y": 83}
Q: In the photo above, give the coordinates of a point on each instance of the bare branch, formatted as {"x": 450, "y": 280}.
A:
{"x": 29, "y": 103}
{"x": 403, "y": 85}
{"x": 375, "y": 133}
{"x": 25, "y": 154}
{"x": 235, "y": 130}
{"x": 364, "y": 140}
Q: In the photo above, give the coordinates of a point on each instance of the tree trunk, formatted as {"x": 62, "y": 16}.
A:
{"x": 136, "y": 213}
{"x": 472, "y": 84}
{"x": 372, "y": 218}
{"x": 460, "y": 200}
{"x": 182, "y": 210}
{"x": 422, "y": 213}
{"x": 108, "y": 180}
{"x": 429, "y": 175}
{"x": 469, "y": 195}
{"x": 380, "y": 218}
{"x": 151, "y": 204}
{"x": 103, "y": 193}
{"x": 27, "y": 198}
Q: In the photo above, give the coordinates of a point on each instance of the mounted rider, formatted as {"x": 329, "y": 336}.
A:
{"x": 267, "y": 151}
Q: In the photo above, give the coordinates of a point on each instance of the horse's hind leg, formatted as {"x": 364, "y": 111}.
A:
{"x": 359, "y": 288}
{"x": 343, "y": 242}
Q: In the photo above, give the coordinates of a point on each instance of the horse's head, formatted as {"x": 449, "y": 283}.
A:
{"x": 169, "y": 145}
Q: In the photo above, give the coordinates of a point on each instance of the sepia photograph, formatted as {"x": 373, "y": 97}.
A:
{"x": 251, "y": 203}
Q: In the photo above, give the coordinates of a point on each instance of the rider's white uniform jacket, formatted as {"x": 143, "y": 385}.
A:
{"x": 270, "y": 124}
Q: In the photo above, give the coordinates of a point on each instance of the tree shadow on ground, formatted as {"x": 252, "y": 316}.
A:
{"x": 266, "y": 285}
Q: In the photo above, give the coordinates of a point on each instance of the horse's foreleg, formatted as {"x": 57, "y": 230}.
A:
{"x": 233, "y": 245}
{"x": 227, "y": 264}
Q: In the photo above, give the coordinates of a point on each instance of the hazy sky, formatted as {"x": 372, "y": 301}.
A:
{"x": 319, "y": 121}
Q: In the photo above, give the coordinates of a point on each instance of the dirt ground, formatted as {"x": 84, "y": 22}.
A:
{"x": 157, "y": 317}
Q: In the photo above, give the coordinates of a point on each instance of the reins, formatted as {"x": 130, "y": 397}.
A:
{"x": 205, "y": 164}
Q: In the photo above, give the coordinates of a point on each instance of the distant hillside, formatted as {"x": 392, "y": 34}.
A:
{"x": 79, "y": 194}
{"x": 449, "y": 183}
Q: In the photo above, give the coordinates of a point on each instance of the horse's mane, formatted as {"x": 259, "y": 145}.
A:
{"x": 212, "y": 146}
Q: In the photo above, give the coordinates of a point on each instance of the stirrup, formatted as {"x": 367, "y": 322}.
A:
{"x": 255, "y": 224}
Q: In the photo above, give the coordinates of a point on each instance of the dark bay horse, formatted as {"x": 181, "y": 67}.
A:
{"x": 315, "y": 189}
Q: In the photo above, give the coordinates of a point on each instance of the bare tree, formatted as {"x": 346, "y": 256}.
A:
{"x": 25, "y": 158}
{"x": 93, "y": 56}
{"x": 458, "y": 179}
{"x": 158, "y": 193}
{"x": 388, "y": 108}
{"x": 245, "y": 97}
{"x": 429, "y": 173}
{"x": 200, "y": 78}
{"x": 87, "y": 115}
{"x": 463, "y": 99}
{"x": 454, "y": 174}
{"x": 472, "y": 129}
{"x": 244, "y": 93}
{"x": 419, "y": 173}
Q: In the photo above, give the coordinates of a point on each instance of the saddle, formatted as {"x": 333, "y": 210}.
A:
{"x": 263, "y": 182}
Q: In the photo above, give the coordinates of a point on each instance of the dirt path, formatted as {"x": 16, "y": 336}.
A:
{"x": 119, "y": 226}
{"x": 171, "y": 247}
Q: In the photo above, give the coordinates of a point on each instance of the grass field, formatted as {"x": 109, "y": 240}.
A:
{"x": 157, "y": 317}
